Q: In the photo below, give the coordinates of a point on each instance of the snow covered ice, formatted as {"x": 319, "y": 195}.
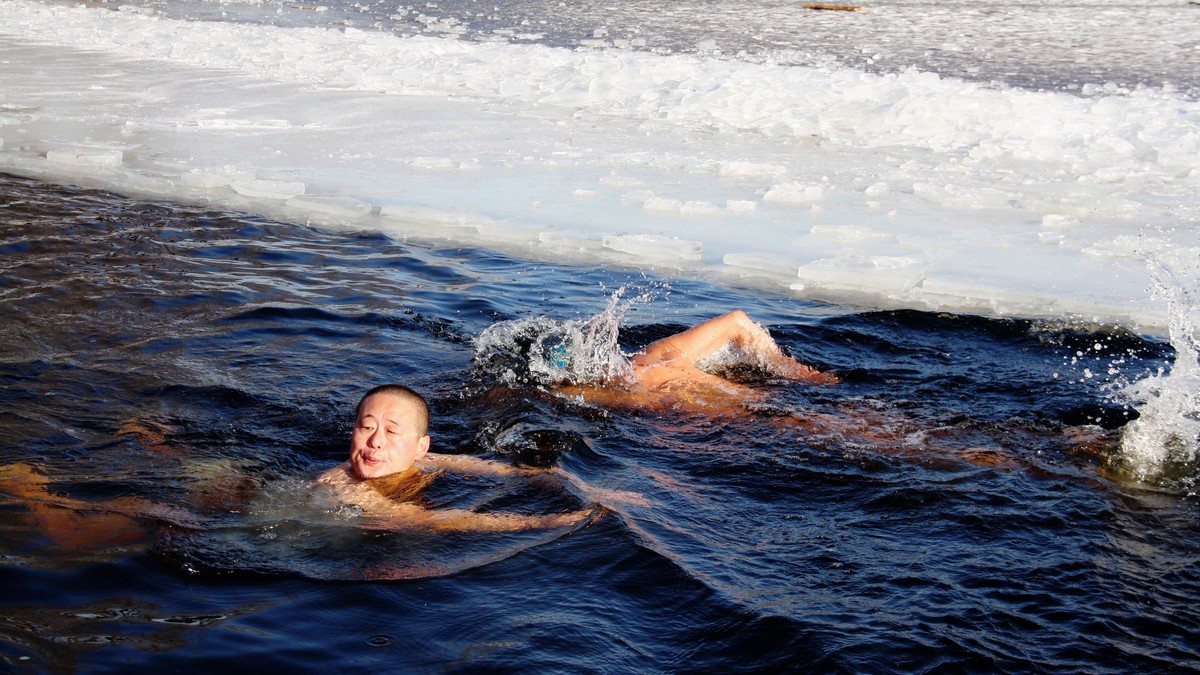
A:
{"x": 816, "y": 174}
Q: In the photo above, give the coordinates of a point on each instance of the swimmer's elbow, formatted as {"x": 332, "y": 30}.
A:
{"x": 826, "y": 378}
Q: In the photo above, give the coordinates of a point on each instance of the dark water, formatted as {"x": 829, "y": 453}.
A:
{"x": 205, "y": 363}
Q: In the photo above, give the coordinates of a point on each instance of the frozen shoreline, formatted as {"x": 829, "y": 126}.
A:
{"x": 877, "y": 191}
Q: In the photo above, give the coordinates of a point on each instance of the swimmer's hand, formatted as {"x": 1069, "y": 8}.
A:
{"x": 786, "y": 366}
{"x": 570, "y": 519}
{"x": 604, "y": 497}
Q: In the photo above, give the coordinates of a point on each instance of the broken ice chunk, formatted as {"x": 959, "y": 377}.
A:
{"x": 586, "y": 195}
{"x": 620, "y": 182}
{"x": 86, "y": 157}
{"x": 848, "y": 234}
{"x": 878, "y": 189}
{"x": 654, "y": 247}
{"x": 346, "y": 207}
{"x": 764, "y": 263}
{"x": 571, "y": 241}
{"x": 885, "y": 274}
{"x": 700, "y": 209}
{"x": 662, "y": 205}
{"x": 517, "y": 231}
{"x": 737, "y": 169}
{"x": 229, "y": 123}
{"x": 268, "y": 189}
{"x": 794, "y": 193}
{"x": 424, "y": 215}
{"x": 434, "y": 163}
{"x": 1054, "y": 221}
{"x": 209, "y": 179}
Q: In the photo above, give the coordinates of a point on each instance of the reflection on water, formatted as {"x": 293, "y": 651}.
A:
{"x": 950, "y": 505}
{"x": 65, "y": 633}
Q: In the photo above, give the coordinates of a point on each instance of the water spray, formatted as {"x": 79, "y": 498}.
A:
{"x": 1164, "y": 442}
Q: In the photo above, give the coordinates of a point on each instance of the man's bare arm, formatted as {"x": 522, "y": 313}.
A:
{"x": 412, "y": 516}
{"x": 466, "y": 464}
{"x": 381, "y": 513}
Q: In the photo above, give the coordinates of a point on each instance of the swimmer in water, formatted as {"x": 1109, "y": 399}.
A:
{"x": 669, "y": 375}
{"x": 668, "y": 372}
{"x": 71, "y": 524}
{"x": 390, "y": 463}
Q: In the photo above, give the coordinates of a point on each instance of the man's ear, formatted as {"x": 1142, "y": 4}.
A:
{"x": 423, "y": 446}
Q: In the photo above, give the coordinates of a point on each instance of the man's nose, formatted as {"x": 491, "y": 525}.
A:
{"x": 375, "y": 440}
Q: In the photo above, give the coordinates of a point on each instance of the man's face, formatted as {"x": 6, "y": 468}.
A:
{"x": 386, "y": 439}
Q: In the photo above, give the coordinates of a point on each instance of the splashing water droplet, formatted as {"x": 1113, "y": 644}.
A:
{"x": 547, "y": 352}
{"x": 1165, "y": 439}
{"x": 381, "y": 640}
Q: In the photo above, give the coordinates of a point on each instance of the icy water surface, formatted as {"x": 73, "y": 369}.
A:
{"x": 190, "y": 370}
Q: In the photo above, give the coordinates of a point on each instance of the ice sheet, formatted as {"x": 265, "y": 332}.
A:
{"x": 884, "y": 190}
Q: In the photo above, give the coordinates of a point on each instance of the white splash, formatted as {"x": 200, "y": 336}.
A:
{"x": 544, "y": 351}
{"x": 1165, "y": 439}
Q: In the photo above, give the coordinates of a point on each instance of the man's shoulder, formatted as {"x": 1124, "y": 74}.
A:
{"x": 338, "y": 475}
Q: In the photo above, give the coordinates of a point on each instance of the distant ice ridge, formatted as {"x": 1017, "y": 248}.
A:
{"x": 1150, "y": 132}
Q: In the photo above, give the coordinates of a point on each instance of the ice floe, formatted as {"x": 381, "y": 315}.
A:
{"x": 898, "y": 189}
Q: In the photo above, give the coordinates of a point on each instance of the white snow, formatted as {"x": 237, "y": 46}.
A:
{"x": 882, "y": 190}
